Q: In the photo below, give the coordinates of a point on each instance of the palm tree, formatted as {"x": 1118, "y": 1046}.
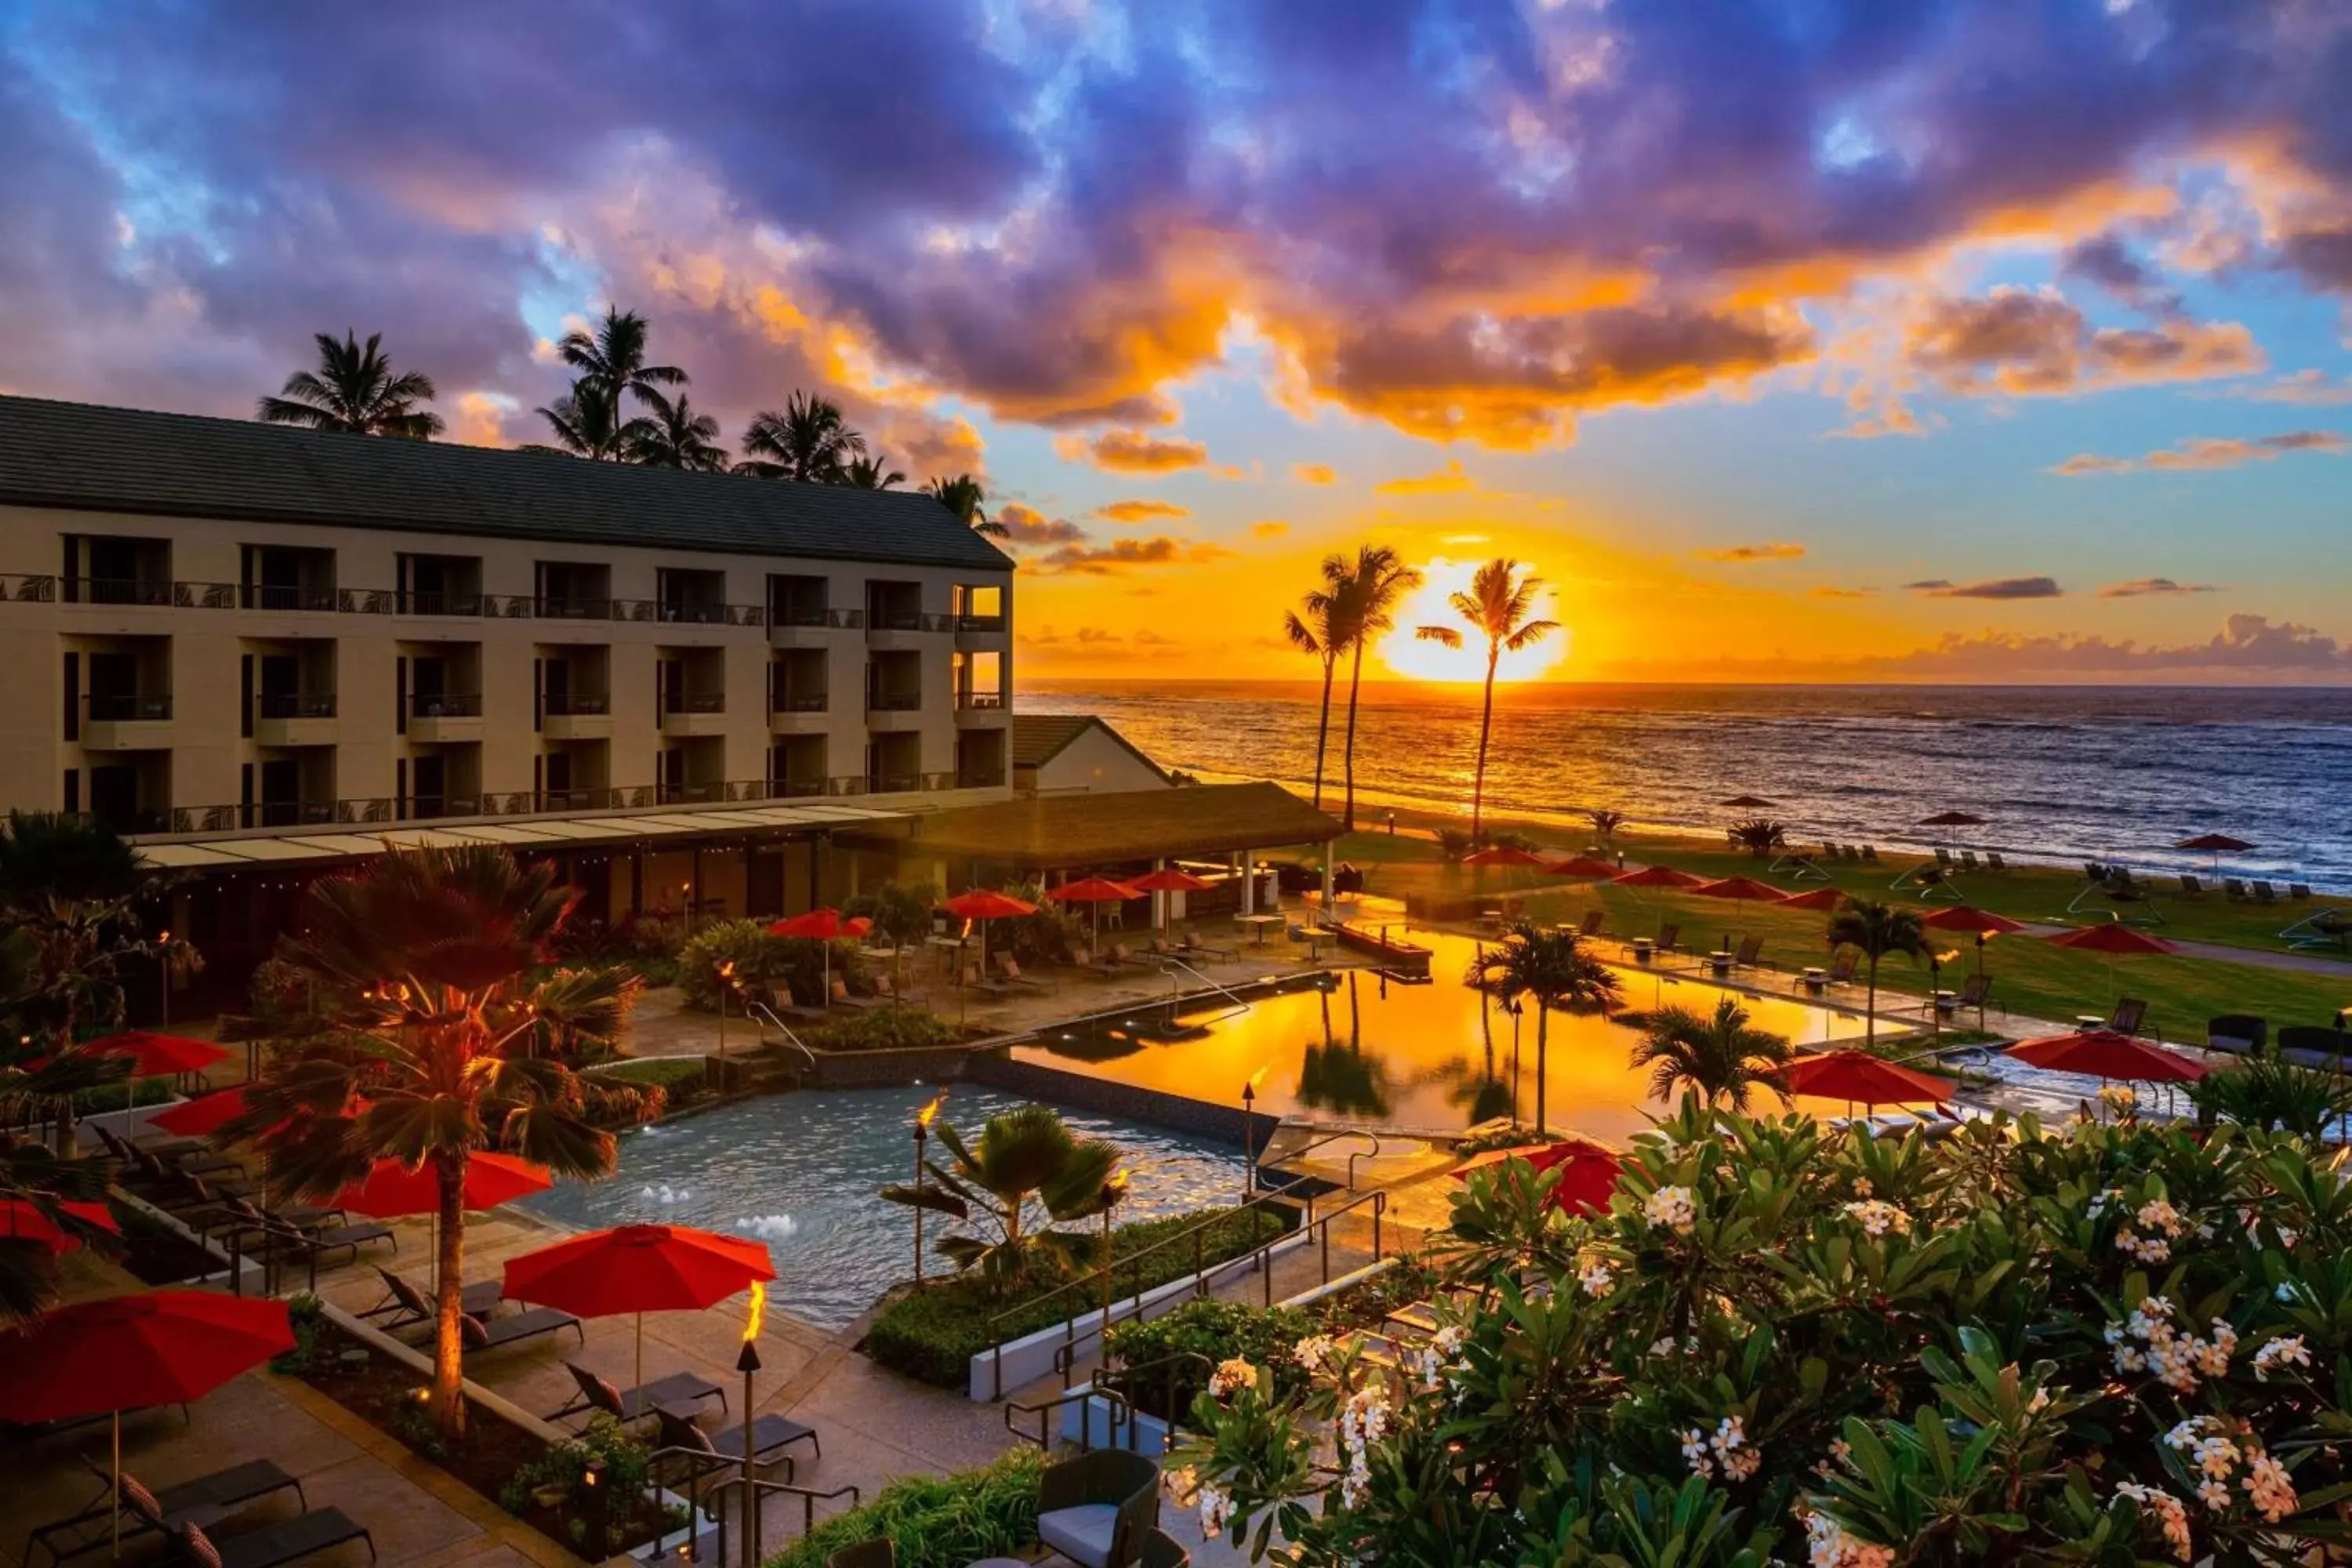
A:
{"x": 1314, "y": 628}
{"x": 673, "y": 436}
{"x": 874, "y": 473}
{"x": 47, "y": 855}
{"x": 612, "y": 360}
{"x": 1553, "y": 969}
{"x": 1876, "y": 930}
{"x": 807, "y": 440}
{"x": 1605, "y": 823}
{"x": 430, "y": 964}
{"x": 1497, "y": 606}
{"x": 964, "y": 496}
{"x": 1759, "y": 836}
{"x": 588, "y": 425}
{"x": 1721, "y": 1058}
{"x": 1021, "y": 1157}
{"x": 356, "y": 391}
{"x": 1367, "y": 590}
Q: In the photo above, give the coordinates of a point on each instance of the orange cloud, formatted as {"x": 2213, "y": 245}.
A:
{"x": 1142, "y": 510}
{"x": 1027, "y": 525}
{"x": 2154, "y": 587}
{"x": 1451, "y": 479}
{"x": 1120, "y": 554}
{"x": 2028, "y": 343}
{"x": 1831, "y": 591}
{"x": 1746, "y": 553}
{"x": 2208, "y": 452}
{"x": 1314, "y": 473}
{"x": 1134, "y": 452}
{"x": 1270, "y": 529}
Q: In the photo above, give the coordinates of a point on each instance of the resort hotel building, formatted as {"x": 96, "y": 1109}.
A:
{"x": 263, "y": 653}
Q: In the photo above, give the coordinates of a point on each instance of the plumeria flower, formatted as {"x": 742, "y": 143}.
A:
{"x": 1879, "y": 1218}
{"x": 1216, "y": 1511}
{"x": 2168, "y": 1510}
{"x": 2280, "y": 1353}
{"x": 1230, "y": 1375}
{"x": 1671, "y": 1207}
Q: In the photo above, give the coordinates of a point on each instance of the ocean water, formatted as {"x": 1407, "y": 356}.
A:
{"x": 2061, "y": 774}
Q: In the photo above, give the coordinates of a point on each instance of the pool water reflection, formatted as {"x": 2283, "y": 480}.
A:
{"x": 1435, "y": 1058}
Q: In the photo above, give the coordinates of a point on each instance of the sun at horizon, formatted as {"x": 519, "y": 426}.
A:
{"x": 1410, "y": 657}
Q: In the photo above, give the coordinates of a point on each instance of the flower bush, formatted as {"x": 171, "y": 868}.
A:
{"x": 1783, "y": 1343}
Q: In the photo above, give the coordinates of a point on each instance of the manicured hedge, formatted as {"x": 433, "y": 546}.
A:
{"x": 934, "y": 1335}
{"x": 937, "y": 1521}
{"x": 681, "y": 1076}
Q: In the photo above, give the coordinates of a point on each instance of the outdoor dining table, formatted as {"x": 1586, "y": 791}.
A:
{"x": 1721, "y": 960}
{"x": 1260, "y": 922}
{"x": 1815, "y": 977}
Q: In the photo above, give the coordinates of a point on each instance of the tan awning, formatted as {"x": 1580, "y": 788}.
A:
{"x": 1056, "y": 832}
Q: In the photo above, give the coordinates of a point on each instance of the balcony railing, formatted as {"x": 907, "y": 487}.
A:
{"x": 205, "y": 595}
{"x": 576, "y": 704}
{"x": 893, "y": 784}
{"x": 444, "y": 704}
{"x": 439, "y": 603}
{"x": 990, "y": 778}
{"x": 797, "y": 702}
{"x": 980, "y": 699}
{"x": 979, "y": 623}
{"x": 603, "y": 799}
{"x": 796, "y": 789}
{"x": 908, "y": 621}
{"x": 894, "y": 701}
{"x": 936, "y": 781}
{"x": 122, "y": 709}
{"x": 572, "y": 609}
{"x": 292, "y": 705}
{"x": 815, "y": 615}
{"x": 201, "y": 819}
{"x": 713, "y": 615}
{"x": 696, "y": 702}
{"x": 118, "y": 591}
{"x": 37, "y": 588}
{"x": 268, "y": 596}
{"x": 365, "y": 600}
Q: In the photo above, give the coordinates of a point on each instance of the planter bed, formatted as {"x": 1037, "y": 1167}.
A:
{"x": 384, "y": 1393}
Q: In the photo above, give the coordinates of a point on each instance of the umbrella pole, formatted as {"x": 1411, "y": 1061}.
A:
{"x": 641, "y": 1350}
{"x": 115, "y": 1497}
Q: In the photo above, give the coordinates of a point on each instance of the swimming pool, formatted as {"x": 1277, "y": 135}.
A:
{"x": 1360, "y": 1049}
{"x": 799, "y": 1172}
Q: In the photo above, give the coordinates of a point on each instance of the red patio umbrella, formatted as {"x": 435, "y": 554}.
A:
{"x": 1820, "y": 898}
{"x": 203, "y": 1115}
{"x": 1097, "y": 891}
{"x": 392, "y": 1190}
{"x": 125, "y": 1352}
{"x": 2103, "y": 1053}
{"x": 823, "y": 926}
{"x": 2114, "y": 939}
{"x": 22, "y": 1220}
{"x": 1174, "y": 880}
{"x": 1980, "y": 923}
{"x": 1860, "y": 1078}
{"x": 983, "y": 905}
{"x": 158, "y": 1055}
{"x": 1503, "y": 855}
{"x": 2216, "y": 845}
{"x": 1745, "y": 888}
{"x": 1587, "y": 1169}
{"x": 1656, "y": 877}
{"x": 638, "y": 1268}
{"x": 1584, "y": 868}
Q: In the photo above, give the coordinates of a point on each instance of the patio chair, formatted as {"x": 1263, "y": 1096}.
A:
{"x": 1870, "y": 854}
{"x": 1750, "y": 954}
{"x": 162, "y": 1171}
{"x": 1008, "y": 972}
{"x": 874, "y": 1554}
{"x": 1943, "y": 859}
{"x": 1094, "y": 1509}
{"x": 2191, "y": 888}
{"x": 2239, "y": 1034}
{"x": 2312, "y": 1046}
{"x": 497, "y": 1333}
{"x": 2299, "y": 891}
{"x": 771, "y": 1435}
{"x": 2130, "y": 1017}
{"x": 839, "y": 996}
{"x": 1854, "y": 852}
{"x": 274, "y": 1546}
{"x": 406, "y": 1305}
{"x": 205, "y": 1497}
{"x": 1593, "y": 921}
{"x": 161, "y": 1145}
{"x": 679, "y": 1388}
{"x": 1975, "y": 992}
{"x": 311, "y": 1246}
{"x": 1993, "y": 862}
{"x": 299, "y": 1216}
{"x": 2263, "y": 893}
{"x": 1668, "y": 940}
{"x": 2234, "y": 890}
{"x": 1161, "y": 1550}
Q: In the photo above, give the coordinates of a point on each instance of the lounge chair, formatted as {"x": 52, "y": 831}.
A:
{"x": 2299, "y": 891}
{"x": 1008, "y": 972}
{"x": 789, "y": 1004}
{"x": 1192, "y": 946}
{"x": 875, "y": 1554}
{"x": 771, "y": 1435}
{"x": 2239, "y": 1034}
{"x": 1843, "y": 964}
{"x": 840, "y": 998}
{"x": 1750, "y": 954}
{"x": 1975, "y": 992}
{"x": 1854, "y": 852}
{"x": 1968, "y": 860}
{"x": 300, "y": 1217}
{"x": 2263, "y": 893}
{"x": 163, "y": 1146}
{"x": 1943, "y": 859}
{"x": 1593, "y": 921}
{"x": 277, "y": 1544}
{"x": 600, "y": 1397}
{"x": 311, "y": 1246}
{"x": 405, "y": 1305}
{"x": 1094, "y": 1509}
{"x": 1870, "y": 854}
{"x": 497, "y": 1333}
{"x": 1993, "y": 862}
{"x": 2130, "y": 1017}
{"x": 2234, "y": 890}
{"x": 1669, "y": 938}
{"x": 159, "y": 1170}
{"x": 2191, "y": 888}
{"x": 2312, "y": 1046}
{"x": 205, "y": 1497}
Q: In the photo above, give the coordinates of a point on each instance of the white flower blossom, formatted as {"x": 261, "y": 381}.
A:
{"x": 1829, "y": 1546}
{"x": 1230, "y": 1375}
{"x": 2269, "y": 1488}
{"x": 1312, "y": 1351}
{"x": 1216, "y": 1511}
{"x": 1671, "y": 1207}
{"x": 1878, "y": 1218}
{"x": 1694, "y": 1450}
{"x": 2280, "y": 1353}
{"x": 2167, "y": 1510}
{"x": 1593, "y": 1276}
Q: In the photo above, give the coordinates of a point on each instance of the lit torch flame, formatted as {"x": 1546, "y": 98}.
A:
{"x": 929, "y": 1113}
{"x": 759, "y": 1312}
{"x": 1258, "y": 1077}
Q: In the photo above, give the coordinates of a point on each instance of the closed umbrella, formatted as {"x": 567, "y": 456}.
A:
{"x": 1980, "y": 923}
{"x": 126, "y": 1352}
{"x": 637, "y": 1270}
{"x": 1860, "y": 1078}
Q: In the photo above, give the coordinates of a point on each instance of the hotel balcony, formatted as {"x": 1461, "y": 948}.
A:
{"x": 802, "y": 625}
{"x": 576, "y": 716}
{"x": 286, "y": 719}
{"x": 894, "y": 710}
{"x": 439, "y": 716}
{"x": 127, "y": 723}
{"x": 888, "y": 628}
{"x": 981, "y": 710}
{"x": 799, "y": 713}
{"x": 978, "y": 631}
{"x": 694, "y": 713}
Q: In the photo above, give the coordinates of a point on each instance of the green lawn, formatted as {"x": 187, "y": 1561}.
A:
{"x": 2031, "y": 976}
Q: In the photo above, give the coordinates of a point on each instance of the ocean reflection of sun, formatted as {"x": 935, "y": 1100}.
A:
{"x": 1431, "y": 604}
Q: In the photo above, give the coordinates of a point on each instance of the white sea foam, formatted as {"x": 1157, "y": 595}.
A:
{"x": 666, "y": 1194}
{"x": 773, "y": 1227}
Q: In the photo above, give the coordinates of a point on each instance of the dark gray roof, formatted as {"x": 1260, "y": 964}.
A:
{"x": 78, "y": 457}
{"x": 1039, "y": 738}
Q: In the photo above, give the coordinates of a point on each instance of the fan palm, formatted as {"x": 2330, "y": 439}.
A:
{"x": 587, "y": 424}
{"x": 673, "y": 436}
{"x": 1605, "y": 823}
{"x": 354, "y": 390}
{"x": 1719, "y": 1056}
{"x": 807, "y": 440}
{"x": 1024, "y": 1157}
{"x": 1877, "y": 931}
{"x": 1498, "y": 607}
{"x": 1552, "y": 969}
{"x": 964, "y": 496}
{"x": 874, "y": 473}
{"x": 1367, "y": 590}
{"x": 1759, "y": 836}
{"x": 50, "y": 855}
{"x": 612, "y": 360}
{"x": 1314, "y": 628}
{"x": 429, "y": 965}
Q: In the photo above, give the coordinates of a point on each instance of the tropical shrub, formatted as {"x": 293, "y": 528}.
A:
{"x": 2088, "y": 1344}
{"x": 937, "y": 1521}
{"x": 1025, "y": 1171}
{"x": 1048, "y": 935}
{"x": 900, "y": 915}
{"x": 681, "y": 1078}
{"x": 933, "y": 1333}
{"x": 883, "y": 1029}
{"x": 1193, "y": 1341}
{"x": 764, "y": 965}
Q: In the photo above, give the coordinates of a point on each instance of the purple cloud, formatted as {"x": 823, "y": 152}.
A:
{"x": 1991, "y": 588}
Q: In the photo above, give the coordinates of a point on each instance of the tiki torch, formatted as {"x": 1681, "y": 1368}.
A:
{"x": 923, "y": 1119}
{"x": 747, "y": 1363}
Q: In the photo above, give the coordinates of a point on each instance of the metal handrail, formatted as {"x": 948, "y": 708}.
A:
{"x": 1168, "y": 966}
{"x": 1166, "y": 1366}
{"x": 765, "y": 1015}
{"x": 762, "y": 1490}
{"x": 1121, "y": 1415}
